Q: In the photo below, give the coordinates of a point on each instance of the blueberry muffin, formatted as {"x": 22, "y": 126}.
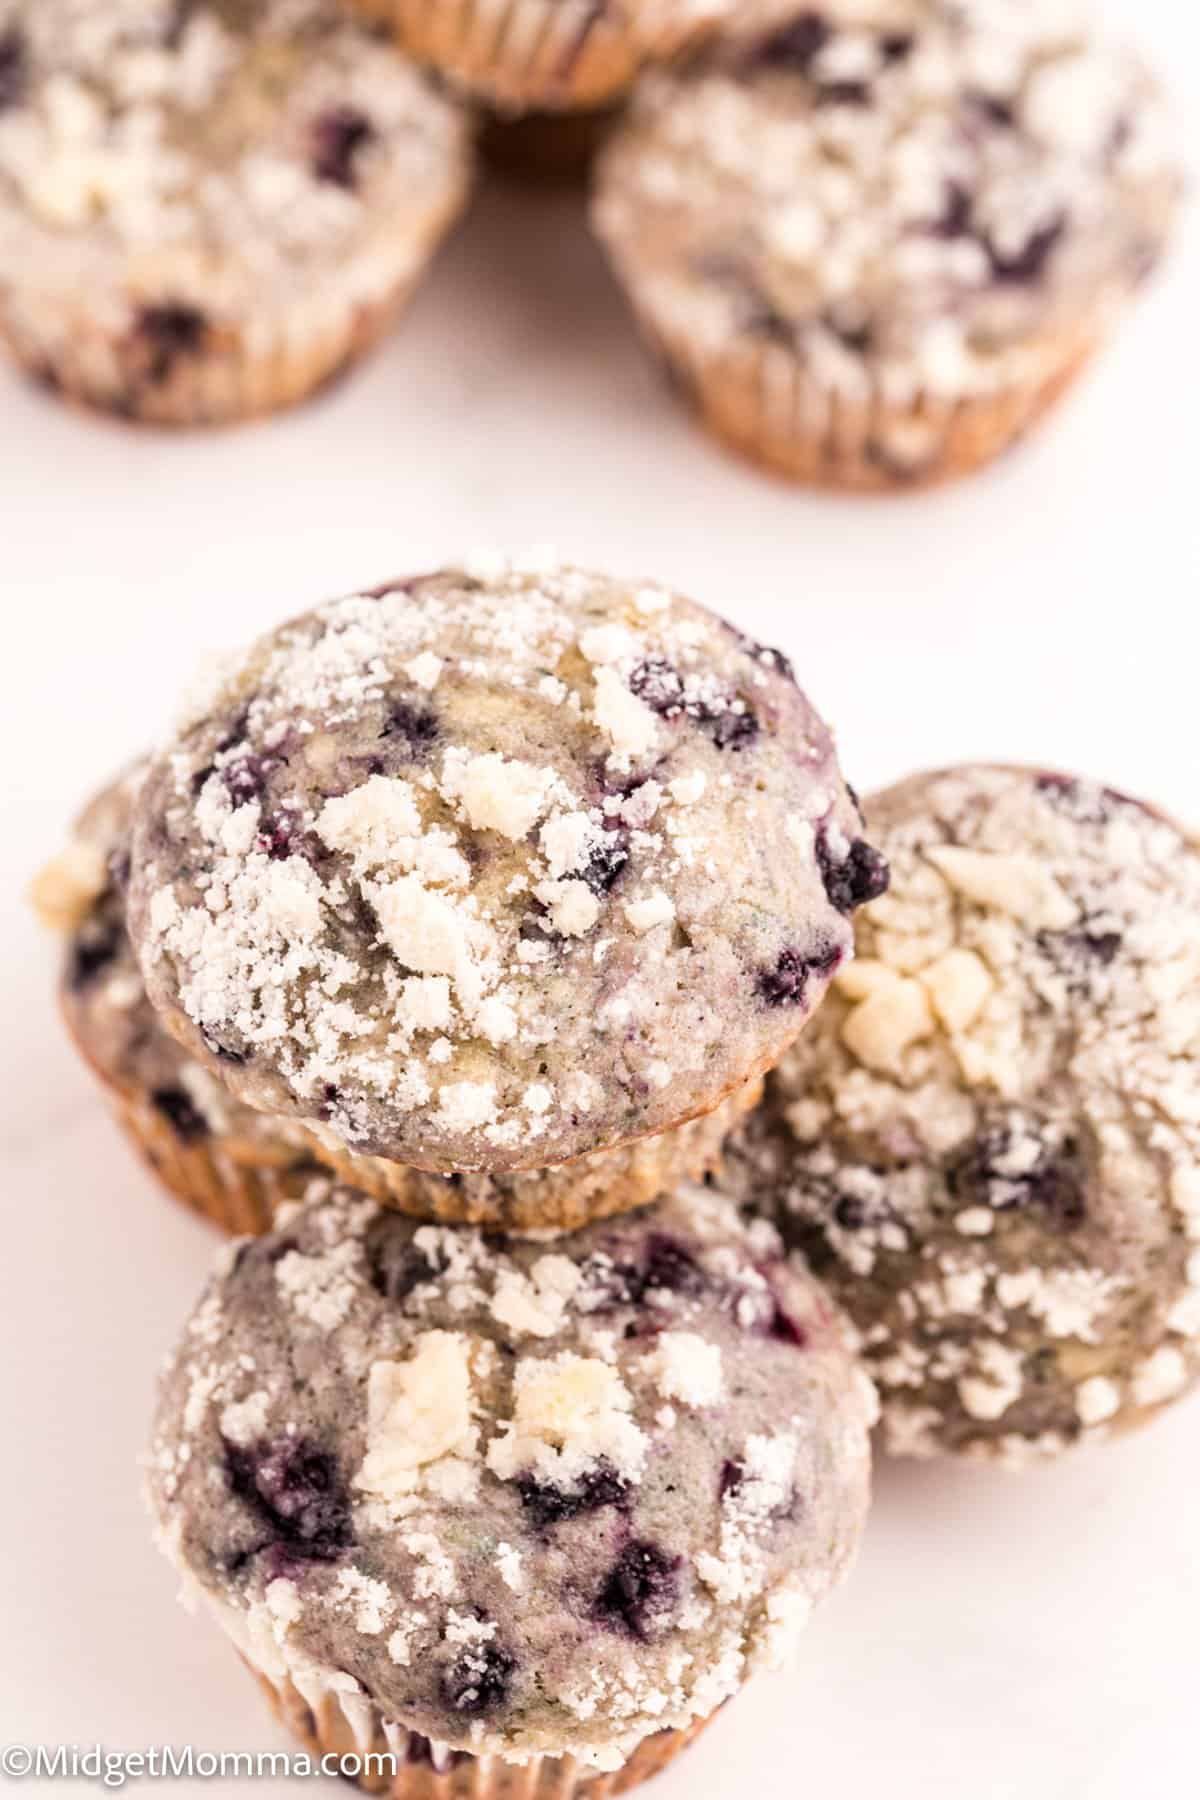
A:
{"x": 876, "y": 242}
{"x": 236, "y": 1165}
{"x": 989, "y": 1143}
{"x": 546, "y": 55}
{"x": 492, "y": 869}
{"x": 208, "y": 209}
{"x": 487, "y": 1504}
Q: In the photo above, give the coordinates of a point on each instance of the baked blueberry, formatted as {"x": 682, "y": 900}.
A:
{"x": 339, "y": 137}
{"x": 186, "y": 1118}
{"x": 641, "y": 1591}
{"x": 295, "y": 1488}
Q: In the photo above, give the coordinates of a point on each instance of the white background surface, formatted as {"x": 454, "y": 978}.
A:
{"x": 1002, "y": 1635}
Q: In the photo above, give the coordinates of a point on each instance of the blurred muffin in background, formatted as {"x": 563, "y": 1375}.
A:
{"x": 208, "y": 211}
{"x": 547, "y": 55}
{"x": 876, "y": 241}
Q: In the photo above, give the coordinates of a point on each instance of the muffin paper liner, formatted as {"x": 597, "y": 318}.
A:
{"x": 237, "y": 1183}
{"x": 761, "y": 402}
{"x": 554, "y": 54}
{"x": 237, "y": 370}
{"x": 563, "y": 1198}
{"x": 330, "y": 1723}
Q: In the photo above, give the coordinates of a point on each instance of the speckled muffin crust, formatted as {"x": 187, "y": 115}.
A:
{"x": 209, "y": 207}
{"x": 989, "y": 1143}
{"x": 555, "y": 55}
{"x": 878, "y": 237}
{"x": 520, "y": 1500}
{"x": 498, "y": 867}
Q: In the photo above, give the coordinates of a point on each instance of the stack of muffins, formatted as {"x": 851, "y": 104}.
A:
{"x": 873, "y": 241}
{"x": 442, "y": 949}
{"x": 493, "y": 893}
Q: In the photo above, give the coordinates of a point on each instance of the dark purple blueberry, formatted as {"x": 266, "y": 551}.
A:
{"x": 733, "y": 730}
{"x": 955, "y": 220}
{"x": 1081, "y": 949}
{"x": 733, "y": 1474}
{"x": 598, "y": 1487}
{"x": 479, "y": 1680}
{"x": 13, "y": 67}
{"x": 93, "y": 948}
{"x": 640, "y": 1591}
{"x": 277, "y": 835}
{"x": 988, "y": 1173}
{"x": 793, "y": 46}
{"x": 296, "y": 1489}
{"x": 395, "y": 1265}
{"x": 187, "y": 1121}
{"x": 606, "y": 861}
{"x": 246, "y": 777}
{"x": 670, "y": 1266}
{"x": 728, "y": 721}
{"x": 168, "y": 333}
{"x": 854, "y": 879}
{"x": 784, "y": 1329}
{"x": 414, "y": 726}
{"x": 338, "y": 137}
{"x": 666, "y": 1266}
{"x": 850, "y": 1213}
{"x": 896, "y": 46}
{"x": 995, "y": 110}
{"x": 1030, "y": 261}
{"x": 787, "y": 983}
{"x": 659, "y": 685}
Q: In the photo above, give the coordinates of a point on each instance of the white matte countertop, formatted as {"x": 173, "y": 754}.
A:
{"x": 1002, "y": 1635}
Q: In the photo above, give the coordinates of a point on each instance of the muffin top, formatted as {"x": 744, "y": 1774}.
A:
{"x": 989, "y": 1143}
{"x": 902, "y": 192}
{"x": 230, "y": 143}
{"x": 496, "y": 867}
{"x": 530, "y": 1499}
